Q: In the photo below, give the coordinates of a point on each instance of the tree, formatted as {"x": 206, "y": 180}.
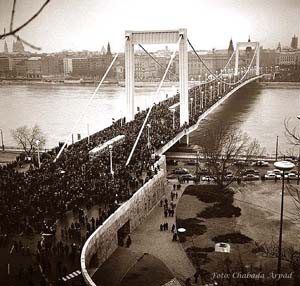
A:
{"x": 14, "y": 31}
{"x": 28, "y": 138}
{"x": 221, "y": 146}
{"x": 292, "y": 133}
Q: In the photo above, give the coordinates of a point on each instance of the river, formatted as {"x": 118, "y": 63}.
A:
{"x": 260, "y": 112}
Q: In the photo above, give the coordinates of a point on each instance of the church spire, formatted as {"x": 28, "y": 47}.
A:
{"x": 230, "y": 47}
{"x": 108, "y": 51}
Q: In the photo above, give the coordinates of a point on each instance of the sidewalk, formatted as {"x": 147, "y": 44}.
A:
{"x": 148, "y": 238}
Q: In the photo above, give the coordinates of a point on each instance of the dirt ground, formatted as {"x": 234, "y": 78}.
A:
{"x": 259, "y": 220}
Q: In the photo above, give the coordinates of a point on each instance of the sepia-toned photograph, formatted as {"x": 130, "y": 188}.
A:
{"x": 149, "y": 143}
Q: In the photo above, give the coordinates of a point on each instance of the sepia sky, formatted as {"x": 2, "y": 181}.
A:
{"x": 89, "y": 24}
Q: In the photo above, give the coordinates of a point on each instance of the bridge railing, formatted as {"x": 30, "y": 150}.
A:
{"x": 104, "y": 240}
{"x": 202, "y": 116}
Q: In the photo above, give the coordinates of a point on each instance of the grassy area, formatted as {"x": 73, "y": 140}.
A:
{"x": 209, "y": 208}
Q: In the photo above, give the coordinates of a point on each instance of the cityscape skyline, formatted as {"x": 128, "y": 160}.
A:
{"x": 77, "y": 30}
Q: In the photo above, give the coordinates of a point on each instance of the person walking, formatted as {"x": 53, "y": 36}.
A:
{"x": 128, "y": 242}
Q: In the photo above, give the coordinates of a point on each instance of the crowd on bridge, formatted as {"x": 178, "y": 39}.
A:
{"x": 33, "y": 201}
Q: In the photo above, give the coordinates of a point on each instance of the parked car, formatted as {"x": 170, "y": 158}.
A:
{"x": 187, "y": 177}
{"x": 208, "y": 178}
{"x": 260, "y": 163}
{"x": 241, "y": 163}
{"x": 291, "y": 176}
{"x": 251, "y": 171}
{"x": 277, "y": 172}
{"x": 250, "y": 177}
{"x": 272, "y": 176}
{"x": 229, "y": 177}
{"x": 180, "y": 171}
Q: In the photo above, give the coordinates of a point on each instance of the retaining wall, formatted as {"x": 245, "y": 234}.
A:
{"x": 104, "y": 241}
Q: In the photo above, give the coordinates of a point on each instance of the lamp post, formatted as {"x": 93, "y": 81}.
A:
{"x": 191, "y": 107}
{"x": 148, "y": 135}
{"x": 110, "y": 160}
{"x": 173, "y": 111}
{"x": 195, "y": 100}
{"x": 3, "y": 149}
{"x": 202, "y": 100}
{"x": 37, "y": 142}
{"x": 283, "y": 166}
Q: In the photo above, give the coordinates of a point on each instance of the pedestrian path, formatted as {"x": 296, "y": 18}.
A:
{"x": 148, "y": 238}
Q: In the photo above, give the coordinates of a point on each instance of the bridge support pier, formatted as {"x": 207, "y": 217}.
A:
{"x": 246, "y": 45}
{"x": 157, "y": 37}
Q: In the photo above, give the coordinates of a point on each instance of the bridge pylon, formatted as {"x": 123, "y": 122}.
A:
{"x": 133, "y": 38}
{"x": 237, "y": 55}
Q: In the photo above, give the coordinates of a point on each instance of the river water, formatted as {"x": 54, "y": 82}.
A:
{"x": 258, "y": 112}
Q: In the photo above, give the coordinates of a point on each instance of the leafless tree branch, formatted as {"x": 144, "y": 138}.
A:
{"x": 291, "y": 133}
{"x": 12, "y": 16}
{"x": 13, "y": 32}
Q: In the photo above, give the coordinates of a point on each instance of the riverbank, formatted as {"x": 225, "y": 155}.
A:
{"x": 81, "y": 83}
{"x": 278, "y": 84}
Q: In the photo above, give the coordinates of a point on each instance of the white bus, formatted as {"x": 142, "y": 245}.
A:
{"x": 99, "y": 149}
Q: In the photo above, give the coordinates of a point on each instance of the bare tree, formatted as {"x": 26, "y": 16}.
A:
{"x": 13, "y": 31}
{"x": 221, "y": 145}
{"x": 292, "y": 133}
{"x": 29, "y": 138}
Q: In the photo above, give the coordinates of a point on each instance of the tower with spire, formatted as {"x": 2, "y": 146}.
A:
{"x": 230, "y": 49}
{"x": 108, "y": 51}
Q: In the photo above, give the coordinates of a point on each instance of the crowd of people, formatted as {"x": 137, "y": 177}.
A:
{"x": 33, "y": 202}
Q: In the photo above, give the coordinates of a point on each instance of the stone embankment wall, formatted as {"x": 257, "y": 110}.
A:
{"x": 104, "y": 241}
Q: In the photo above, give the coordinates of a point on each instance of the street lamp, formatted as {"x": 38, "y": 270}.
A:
{"x": 283, "y": 166}
{"x": 3, "y": 149}
{"x": 173, "y": 111}
{"x": 148, "y": 135}
{"x": 37, "y": 142}
{"x": 110, "y": 159}
{"x": 191, "y": 107}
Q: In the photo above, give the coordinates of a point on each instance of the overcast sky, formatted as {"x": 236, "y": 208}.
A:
{"x": 89, "y": 24}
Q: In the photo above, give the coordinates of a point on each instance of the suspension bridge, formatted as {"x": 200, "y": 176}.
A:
{"x": 194, "y": 104}
{"x": 190, "y": 106}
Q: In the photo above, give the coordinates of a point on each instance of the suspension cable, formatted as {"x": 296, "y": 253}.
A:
{"x": 216, "y": 77}
{"x": 149, "y": 111}
{"x": 155, "y": 60}
{"x": 86, "y": 107}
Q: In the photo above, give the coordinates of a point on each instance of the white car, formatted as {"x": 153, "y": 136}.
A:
{"x": 260, "y": 163}
{"x": 291, "y": 176}
{"x": 272, "y": 176}
{"x": 207, "y": 178}
{"x": 250, "y": 177}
